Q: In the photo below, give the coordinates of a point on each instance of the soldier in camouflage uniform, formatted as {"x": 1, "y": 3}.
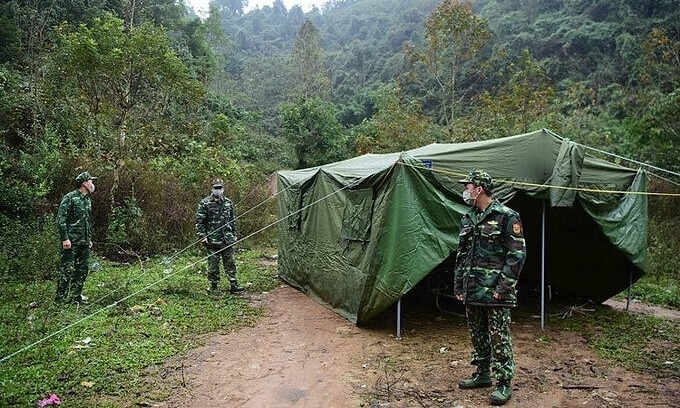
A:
{"x": 491, "y": 254}
{"x": 216, "y": 230}
{"x": 75, "y": 233}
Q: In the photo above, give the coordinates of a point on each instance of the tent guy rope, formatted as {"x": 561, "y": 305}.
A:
{"x": 170, "y": 275}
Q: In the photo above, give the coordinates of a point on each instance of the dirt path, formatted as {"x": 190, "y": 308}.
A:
{"x": 304, "y": 355}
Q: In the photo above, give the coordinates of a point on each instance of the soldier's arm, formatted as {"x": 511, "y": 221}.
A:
{"x": 200, "y": 221}
{"x": 62, "y": 217}
{"x": 515, "y": 254}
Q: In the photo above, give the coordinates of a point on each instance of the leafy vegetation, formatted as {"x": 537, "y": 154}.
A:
{"x": 141, "y": 314}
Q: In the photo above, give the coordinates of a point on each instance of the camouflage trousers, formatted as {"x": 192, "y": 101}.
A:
{"x": 72, "y": 273}
{"x": 489, "y": 328}
{"x": 226, "y": 255}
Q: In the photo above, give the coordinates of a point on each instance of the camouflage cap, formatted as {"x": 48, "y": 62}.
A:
{"x": 217, "y": 182}
{"x": 83, "y": 177}
{"x": 478, "y": 178}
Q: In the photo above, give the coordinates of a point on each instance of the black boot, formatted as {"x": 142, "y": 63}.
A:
{"x": 235, "y": 287}
{"x": 213, "y": 289}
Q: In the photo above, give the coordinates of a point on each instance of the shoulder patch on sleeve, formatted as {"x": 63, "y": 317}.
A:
{"x": 516, "y": 227}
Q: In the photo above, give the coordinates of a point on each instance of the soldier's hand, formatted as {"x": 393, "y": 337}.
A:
{"x": 204, "y": 241}
{"x": 498, "y": 296}
{"x": 459, "y": 297}
{"x": 66, "y": 244}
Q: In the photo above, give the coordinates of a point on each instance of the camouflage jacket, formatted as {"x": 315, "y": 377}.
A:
{"x": 491, "y": 253}
{"x": 215, "y": 220}
{"x": 73, "y": 218}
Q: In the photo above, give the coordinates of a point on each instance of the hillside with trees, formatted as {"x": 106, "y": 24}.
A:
{"x": 156, "y": 101}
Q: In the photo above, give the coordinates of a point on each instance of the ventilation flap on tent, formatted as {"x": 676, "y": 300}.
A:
{"x": 626, "y": 224}
{"x": 566, "y": 174}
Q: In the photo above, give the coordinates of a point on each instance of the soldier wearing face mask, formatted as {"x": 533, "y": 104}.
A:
{"x": 75, "y": 232}
{"x": 491, "y": 253}
{"x": 216, "y": 230}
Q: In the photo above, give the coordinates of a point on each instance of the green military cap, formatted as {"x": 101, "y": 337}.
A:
{"x": 83, "y": 177}
{"x": 478, "y": 178}
{"x": 217, "y": 182}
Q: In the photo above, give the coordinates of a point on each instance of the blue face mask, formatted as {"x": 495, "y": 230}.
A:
{"x": 218, "y": 192}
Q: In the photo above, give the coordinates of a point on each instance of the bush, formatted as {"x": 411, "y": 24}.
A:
{"x": 29, "y": 249}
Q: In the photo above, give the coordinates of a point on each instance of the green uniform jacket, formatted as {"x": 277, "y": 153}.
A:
{"x": 73, "y": 218}
{"x": 491, "y": 253}
{"x": 215, "y": 219}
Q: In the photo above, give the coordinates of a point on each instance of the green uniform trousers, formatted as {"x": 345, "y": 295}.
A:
{"x": 489, "y": 328}
{"x": 226, "y": 255}
{"x": 72, "y": 273}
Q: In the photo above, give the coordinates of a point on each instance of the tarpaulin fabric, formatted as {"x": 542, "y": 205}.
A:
{"x": 361, "y": 233}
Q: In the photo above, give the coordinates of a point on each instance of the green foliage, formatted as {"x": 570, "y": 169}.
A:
{"x": 664, "y": 240}
{"x": 309, "y": 76}
{"x": 445, "y": 72}
{"x": 124, "y": 224}
{"x": 103, "y": 354}
{"x": 313, "y": 129}
{"x": 29, "y": 248}
{"x": 523, "y": 94}
{"x": 396, "y": 126}
{"x": 650, "y": 348}
{"x": 658, "y": 288}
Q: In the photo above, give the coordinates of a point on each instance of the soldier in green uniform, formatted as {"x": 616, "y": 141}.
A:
{"x": 491, "y": 253}
{"x": 75, "y": 232}
{"x": 216, "y": 230}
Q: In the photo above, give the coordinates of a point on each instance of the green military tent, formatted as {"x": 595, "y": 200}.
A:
{"x": 359, "y": 234}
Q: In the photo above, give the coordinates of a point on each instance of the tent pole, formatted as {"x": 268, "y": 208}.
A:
{"x": 630, "y": 287}
{"x": 543, "y": 266}
{"x": 399, "y": 319}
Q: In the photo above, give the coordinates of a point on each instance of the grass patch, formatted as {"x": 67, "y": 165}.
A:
{"x": 140, "y": 316}
{"x": 656, "y": 290}
{"x": 640, "y": 343}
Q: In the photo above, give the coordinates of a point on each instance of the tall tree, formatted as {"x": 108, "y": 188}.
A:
{"x": 657, "y": 123}
{"x": 135, "y": 93}
{"x": 311, "y": 127}
{"x": 396, "y": 126}
{"x": 309, "y": 75}
{"x": 522, "y": 94}
{"x": 445, "y": 72}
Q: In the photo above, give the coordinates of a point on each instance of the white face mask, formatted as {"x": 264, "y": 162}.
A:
{"x": 218, "y": 192}
{"x": 90, "y": 187}
{"x": 467, "y": 197}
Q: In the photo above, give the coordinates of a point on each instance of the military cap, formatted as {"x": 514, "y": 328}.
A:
{"x": 217, "y": 182}
{"x": 83, "y": 177}
{"x": 478, "y": 178}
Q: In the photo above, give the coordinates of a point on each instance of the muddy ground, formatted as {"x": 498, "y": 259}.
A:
{"x": 304, "y": 355}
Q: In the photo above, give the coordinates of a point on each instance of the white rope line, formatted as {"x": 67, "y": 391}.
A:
{"x": 639, "y": 163}
{"x": 43, "y": 339}
{"x": 181, "y": 251}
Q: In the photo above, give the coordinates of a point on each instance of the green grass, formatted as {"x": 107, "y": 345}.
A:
{"x": 640, "y": 343}
{"x": 97, "y": 355}
{"x": 656, "y": 290}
